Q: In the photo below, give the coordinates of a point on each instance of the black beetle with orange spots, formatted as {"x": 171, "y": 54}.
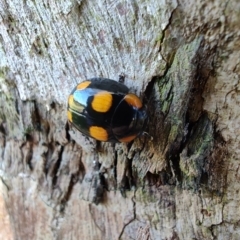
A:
{"x": 105, "y": 110}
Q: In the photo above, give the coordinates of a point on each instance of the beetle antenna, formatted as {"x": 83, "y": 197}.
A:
{"x": 121, "y": 78}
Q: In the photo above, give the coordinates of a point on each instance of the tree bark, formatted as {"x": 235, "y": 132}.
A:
{"x": 182, "y": 58}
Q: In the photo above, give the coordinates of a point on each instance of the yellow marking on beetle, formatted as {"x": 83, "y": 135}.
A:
{"x": 73, "y": 105}
{"x": 133, "y": 100}
{"x": 102, "y": 101}
{"x": 69, "y": 116}
{"x": 98, "y": 133}
{"x": 70, "y": 101}
{"x": 83, "y": 85}
{"x": 127, "y": 139}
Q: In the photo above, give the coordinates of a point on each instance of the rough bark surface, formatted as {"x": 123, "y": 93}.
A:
{"x": 182, "y": 58}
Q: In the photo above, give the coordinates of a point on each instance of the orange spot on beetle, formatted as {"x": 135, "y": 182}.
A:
{"x": 133, "y": 100}
{"x": 102, "y": 101}
{"x": 83, "y": 85}
{"x": 98, "y": 133}
{"x": 127, "y": 139}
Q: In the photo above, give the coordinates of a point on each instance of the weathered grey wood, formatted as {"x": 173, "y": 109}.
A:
{"x": 183, "y": 57}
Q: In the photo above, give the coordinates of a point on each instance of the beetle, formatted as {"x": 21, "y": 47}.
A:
{"x": 106, "y": 110}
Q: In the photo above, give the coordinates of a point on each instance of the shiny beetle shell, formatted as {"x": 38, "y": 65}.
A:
{"x": 105, "y": 110}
